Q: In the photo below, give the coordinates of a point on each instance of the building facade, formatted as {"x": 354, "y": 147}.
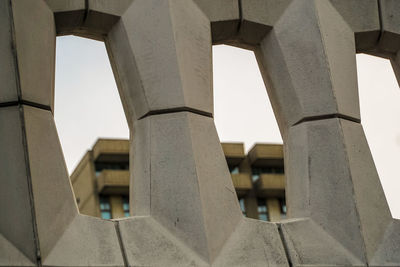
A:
{"x": 101, "y": 179}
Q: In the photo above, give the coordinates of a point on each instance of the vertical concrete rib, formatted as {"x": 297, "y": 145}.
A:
{"x": 24, "y": 139}
{"x": 284, "y": 244}
{"x": 121, "y": 244}
{"x": 240, "y": 15}
{"x": 380, "y": 23}
{"x": 29, "y": 181}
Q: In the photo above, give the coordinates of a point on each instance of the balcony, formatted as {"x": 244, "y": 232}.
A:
{"x": 242, "y": 183}
{"x": 271, "y": 185}
{"x": 113, "y": 182}
{"x": 111, "y": 150}
{"x": 266, "y": 155}
{"x": 234, "y": 153}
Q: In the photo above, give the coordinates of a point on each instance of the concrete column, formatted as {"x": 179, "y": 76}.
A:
{"x": 274, "y": 209}
{"x": 44, "y": 228}
{"x": 312, "y": 83}
{"x": 250, "y": 203}
{"x": 117, "y": 210}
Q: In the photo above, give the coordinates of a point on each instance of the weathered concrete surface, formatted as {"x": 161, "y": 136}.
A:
{"x": 35, "y": 46}
{"x": 318, "y": 175}
{"x": 65, "y": 236}
{"x": 390, "y": 40}
{"x": 172, "y": 52}
{"x": 148, "y": 243}
{"x": 16, "y": 222}
{"x": 388, "y": 250}
{"x": 258, "y": 18}
{"x": 310, "y": 245}
{"x": 329, "y": 162}
{"x": 7, "y": 71}
{"x": 316, "y": 76}
{"x": 224, "y": 16}
{"x": 12, "y": 256}
{"x": 68, "y": 15}
{"x": 363, "y": 19}
{"x": 179, "y": 159}
{"x": 254, "y": 243}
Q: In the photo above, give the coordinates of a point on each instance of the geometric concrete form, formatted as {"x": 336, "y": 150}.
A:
{"x": 65, "y": 237}
{"x": 390, "y": 39}
{"x": 34, "y": 46}
{"x": 16, "y": 224}
{"x": 184, "y": 204}
{"x": 363, "y": 18}
{"x": 258, "y": 18}
{"x": 8, "y": 85}
{"x": 224, "y": 16}
{"x": 173, "y": 51}
{"x": 254, "y": 243}
{"x": 45, "y": 227}
{"x": 309, "y": 244}
{"x": 317, "y": 76}
{"x": 329, "y": 162}
{"x": 178, "y": 157}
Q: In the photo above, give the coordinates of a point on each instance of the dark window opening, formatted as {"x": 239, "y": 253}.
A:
{"x": 105, "y": 207}
{"x": 262, "y": 209}
{"x": 257, "y": 171}
{"x": 242, "y": 205}
{"x": 125, "y": 206}
{"x": 100, "y": 166}
{"x": 283, "y": 208}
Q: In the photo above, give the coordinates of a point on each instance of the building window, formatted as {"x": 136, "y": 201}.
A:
{"x": 283, "y": 208}
{"x": 256, "y": 172}
{"x": 242, "y": 206}
{"x": 125, "y": 206}
{"x": 262, "y": 209}
{"x": 234, "y": 169}
{"x": 105, "y": 208}
{"x": 100, "y": 166}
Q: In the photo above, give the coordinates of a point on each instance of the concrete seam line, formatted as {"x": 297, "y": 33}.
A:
{"x": 380, "y": 38}
{"x": 121, "y": 244}
{"x": 85, "y": 15}
{"x": 327, "y": 117}
{"x": 175, "y": 110}
{"x": 14, "y": 50}
{"x": 284, "y": 244}
{"x": 26, "y": 103}
{"x": 240, "y": 6}
{"x": 30, "y": 187}
{"x": 24, "y": 138}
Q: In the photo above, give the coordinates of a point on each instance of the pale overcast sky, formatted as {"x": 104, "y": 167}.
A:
{"x": 87, "y": 105}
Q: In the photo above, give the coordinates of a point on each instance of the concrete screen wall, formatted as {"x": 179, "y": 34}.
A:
{"x": 161, "y": 56}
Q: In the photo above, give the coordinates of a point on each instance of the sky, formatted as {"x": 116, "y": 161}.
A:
{"x": 87, "y": 105}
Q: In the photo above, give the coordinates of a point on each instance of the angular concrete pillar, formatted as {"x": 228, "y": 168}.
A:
{"x": 274, "y": 209}
{"x": 181, "y": 180}
{"x": 17, "y": 228}
{"x": 64, "y": 236}
{"x": 42, "y": 225}
{"x": 182, "y": 188}
{"x": 164, "y": 63}
{"x": 363, "y": 18}
{"x": 331, "y": 178}
{"x": 309, "y": 66}
{"x": 389, "y": 44}
{"x": 224, "y": 16}
{"x": 28, "y": 51}
{"x": 183, "y": 198}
